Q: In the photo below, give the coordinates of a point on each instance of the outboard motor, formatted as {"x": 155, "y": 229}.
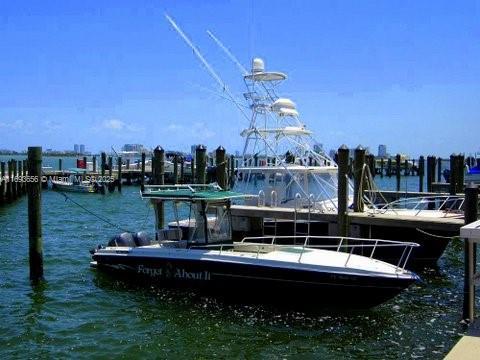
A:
{"x": 124, "y": 239}
{"x": 142, "y": 238}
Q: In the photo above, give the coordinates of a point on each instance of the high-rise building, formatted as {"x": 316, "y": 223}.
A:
{"x": 82, "y": 149}
{"x": 382, "y": 151}
{"x": 76, "y": 148}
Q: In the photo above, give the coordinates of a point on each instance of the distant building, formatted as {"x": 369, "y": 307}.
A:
{"x": 76, "y": 148}
{"x": 82, "y": 149}
{"x": 382, "y": 151}
{"x": 133, "y": 147}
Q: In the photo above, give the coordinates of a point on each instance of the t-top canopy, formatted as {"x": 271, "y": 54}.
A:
{"x": 190, "y": 192}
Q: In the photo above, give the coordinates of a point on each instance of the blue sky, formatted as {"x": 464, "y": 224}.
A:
{"x": 102, "y": 73}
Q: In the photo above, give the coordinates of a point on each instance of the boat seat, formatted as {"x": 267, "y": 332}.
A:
{"x": 170, "y": 234}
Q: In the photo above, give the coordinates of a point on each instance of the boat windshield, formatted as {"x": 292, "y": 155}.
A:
{"x": 212, "y": 219}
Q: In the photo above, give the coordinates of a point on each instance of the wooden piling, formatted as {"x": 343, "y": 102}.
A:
{"x": 25, "y": 172}
{"x": 200, "y": 156}
{"x": 342, "y": 190}
{"x": 453, "y": 174}
{"x": 85, "y": 162}
{"x": 406, "y": 170}
{"x": 470, "y": 250}
{"x": 142, "y": 173}
{"x": 94, "y": 163}
{"x": 381, "y": 167}
{"x": 175, "y": 169}
{"x": 60, "y": 164}
{"x": 439, "y": 169}
{"x": 103, "y": 159}
{"x": 34, "y": 213}
{"x": 2, "y": 183}
{"x": 460, "y": 173}
{"x": 371, "y": 164}
{"x": 397, "y": 167}
{"x": 119, "y": 174}
{"x": 430, "y": 172}
{"x": 192, "y": 170}
{"x": 182, "y": 170}
{"x": 128, "y": 164}
{"x": 231, "y": 181}
{"x": 9, "y": 196}
{"x": 421, "y": 172}
{"x": 158, "y": 178}
{"x": 221, "y": 166}
{"x": 14, "y": 180}
{"x": 20, "y": 181}
{"x": 110, "y": 167}
{"x": 358, "y": 175}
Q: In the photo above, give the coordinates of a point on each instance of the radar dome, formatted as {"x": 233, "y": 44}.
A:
{"x": 257, "y": 65}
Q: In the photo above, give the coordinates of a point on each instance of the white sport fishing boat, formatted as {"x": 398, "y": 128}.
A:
{"x": 203, "y": 255}
{"x": 279, "y": 155}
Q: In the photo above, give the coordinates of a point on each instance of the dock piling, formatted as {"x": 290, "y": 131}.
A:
{"x": 453, "y": 174}
{"x": 342, "y": 190}
{"x": 221, "y": 166}
{"x": 439, "y": 169}
{"x": 421, "y": 172}
{"x": 460, "y": 173}
{"x": 102, "y": 164}
{"x": 119, "y": 174}
{"x": 397, "y": 166}
{"x": 158, "y": 178}
{"x": 94, "y": 163}
{"x": 2, "y": 182}
{"x": 34, "y": 213}
{"x": 175, "y": 169}
{"x": 470, "y": 250}
{"x": 201, "y": 159}
{"x": 9, "y": 181}
{"x": 358, "y": 175}
{"x": 60, "y": 164}
{"x": 142, "y": 173}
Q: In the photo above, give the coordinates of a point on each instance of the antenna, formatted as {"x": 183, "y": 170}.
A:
{"x": 228, "y": 52}
{"x": 202, "y": 59}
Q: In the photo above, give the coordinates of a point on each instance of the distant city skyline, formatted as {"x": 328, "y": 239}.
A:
{"x": 109, "y": 73}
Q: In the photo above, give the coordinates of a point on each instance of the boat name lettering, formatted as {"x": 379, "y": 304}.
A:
{"x": 176, "y": 273}
{"x": 153, "y": 272}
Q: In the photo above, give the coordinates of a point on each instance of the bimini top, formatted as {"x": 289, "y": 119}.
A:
{"x": 190, "y": 192}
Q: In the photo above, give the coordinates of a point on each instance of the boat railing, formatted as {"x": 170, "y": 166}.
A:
{"x": 343, "y": 244}
{"x": 448, "y": 204}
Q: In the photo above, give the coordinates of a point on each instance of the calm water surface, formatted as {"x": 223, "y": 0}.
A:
{"x": 77, "y": 312}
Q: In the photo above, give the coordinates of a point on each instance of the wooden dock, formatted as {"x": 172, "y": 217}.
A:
{"x": 445, "y": 224}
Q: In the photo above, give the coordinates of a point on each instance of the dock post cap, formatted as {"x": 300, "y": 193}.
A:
{"x": 220, "y": 148}
{"x": 158, "y": 148}
{"x": 343, "y": 147}
{"x": 201, "y": 147}
{"x": 359, "y": 148}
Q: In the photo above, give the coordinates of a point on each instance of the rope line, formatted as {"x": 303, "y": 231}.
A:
{"x": 92, "y": 213}
{"x": 434, "y": 235}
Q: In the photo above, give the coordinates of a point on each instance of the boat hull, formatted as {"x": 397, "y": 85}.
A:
{"x": 248, "y": 282}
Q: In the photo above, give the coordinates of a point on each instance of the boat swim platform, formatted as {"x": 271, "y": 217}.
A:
{"x": 447, "y": 224}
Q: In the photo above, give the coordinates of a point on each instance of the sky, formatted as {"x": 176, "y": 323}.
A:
{"x": 105, "y": 73}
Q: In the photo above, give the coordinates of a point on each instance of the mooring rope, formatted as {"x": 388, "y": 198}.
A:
{"x": 92, "y": 213}
{"x": 435, "y": 235}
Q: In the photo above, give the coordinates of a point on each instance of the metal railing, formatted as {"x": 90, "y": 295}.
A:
{"x": 258, "y": 246}
{"x": 447, "y": 204}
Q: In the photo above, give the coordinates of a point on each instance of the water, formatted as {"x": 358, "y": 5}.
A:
{"x": 80, "y": 312}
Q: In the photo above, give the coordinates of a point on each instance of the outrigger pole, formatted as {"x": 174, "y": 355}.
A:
{"x": 205, "y": 63}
